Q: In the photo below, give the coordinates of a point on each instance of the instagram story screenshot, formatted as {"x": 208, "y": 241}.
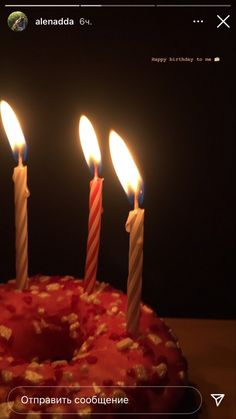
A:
{"x": 117, "y": 293}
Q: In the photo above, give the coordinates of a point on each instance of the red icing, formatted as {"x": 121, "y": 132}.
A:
{"x": 56, "y": 321}
{"x": 27, "y": 299}
{"x": 91, "y": 359}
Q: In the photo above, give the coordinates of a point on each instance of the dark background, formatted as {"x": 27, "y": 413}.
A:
{"x": 177, "y": 119}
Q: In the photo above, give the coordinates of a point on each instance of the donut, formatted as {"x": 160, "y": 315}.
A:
{"x": 64, "y": 351}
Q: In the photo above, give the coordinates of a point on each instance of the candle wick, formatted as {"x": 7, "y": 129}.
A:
{"x": 20, "y": 162}
{"x": 95, "y": 170}
{"x": 136, "y": 205}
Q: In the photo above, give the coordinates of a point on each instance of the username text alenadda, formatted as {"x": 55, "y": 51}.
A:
{"x": 63, "y": 21}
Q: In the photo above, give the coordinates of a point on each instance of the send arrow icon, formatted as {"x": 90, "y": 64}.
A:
{"x": 218, "y": 398}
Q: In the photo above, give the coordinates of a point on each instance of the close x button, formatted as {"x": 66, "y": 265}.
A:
{"x": 223, "y": 21}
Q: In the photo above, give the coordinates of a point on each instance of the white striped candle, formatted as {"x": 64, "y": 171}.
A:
{"x": 134, "y": 226}
{"x": 21, "y": 225}
{"x": 131, "y": 181}
{"x": 17, "y": 143}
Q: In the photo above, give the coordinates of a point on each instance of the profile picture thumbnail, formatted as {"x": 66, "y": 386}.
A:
{"x": 17, "y": 21}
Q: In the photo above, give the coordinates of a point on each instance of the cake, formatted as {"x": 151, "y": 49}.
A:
{"x": 64, "y": 351}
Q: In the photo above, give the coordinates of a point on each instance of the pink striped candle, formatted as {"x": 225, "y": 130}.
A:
{"x": 21, "y": 192}
{"x": 131, "y": 181}
{"x": 94, "y": 227}
{"x": 92, "y": 155}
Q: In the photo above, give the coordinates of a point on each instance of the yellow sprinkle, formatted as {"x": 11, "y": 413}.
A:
{"x": 134, "y": 345}
{"x": 170, "y": 344}
{"x": 160, "y": 369}
{"x": 115, "y": 303}
{"x": 53, "y": 287}
{"x": 44, "y": 295}
{"x": 64, "y": 319}
{"x": 37, "y": 327}
{"x": 66, "y": 278}
{"x": 35, "y": 364}
{"x": 60, "y": 362}
{"x": 120, "y": 383}
{"x": 114, "y": 309}
{"x": 74, "y": 326}
{"x": 7, "y": 376}
{"x": 141, "y": 372}
{"x": 5, "y": 409}
{"x": 96, "y": 301}
{"x": 96, "y": 388}
{"x": 102, "y": 328}
{"x": 147, "y": 309}
{"x": 44, "y": 278}
{"x": 83, "y": 348}
{"x": 182, "y": 375}
{"x": 35, "y": 359}
{"x": 124, "y": 344}
{"x": 154, "y": 338}
{"x": 33, "y": 377}
{"x": 72, "y": 317}
{"x": 34, "y": 287}
{"x": 41, "y": 310}
{"x": 5, "y": 332}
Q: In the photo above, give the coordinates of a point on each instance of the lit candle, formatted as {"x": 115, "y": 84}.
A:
{"x": 131, "y": 181}
{"x": 17, "y": 142}
{"x": 92, "y": 155}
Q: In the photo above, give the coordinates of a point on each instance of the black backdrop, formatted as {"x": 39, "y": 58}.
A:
{"x": 176, "y": 118}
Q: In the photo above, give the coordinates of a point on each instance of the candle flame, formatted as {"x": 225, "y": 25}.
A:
{"x": 89, "y": 142}
{"x": 12, "y": 128}
{"x": 125, "y": 167}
